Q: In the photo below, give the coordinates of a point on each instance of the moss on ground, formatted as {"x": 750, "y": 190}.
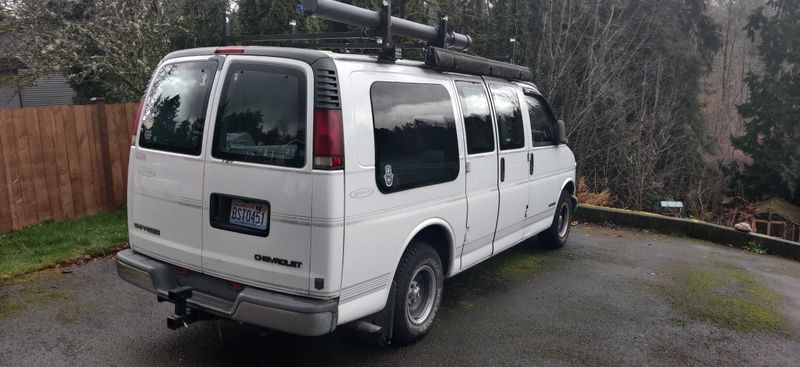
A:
{"x": 729, "y": 296}
{"x": 520, "y": 264}
{"x": 16, "y": 302}
{"x": 494, "y": 274}
{"x": 7, "y": 309}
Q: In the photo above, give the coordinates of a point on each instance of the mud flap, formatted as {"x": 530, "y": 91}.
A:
{"x": 384, "y": 320}
{"x": 574, "y": 200}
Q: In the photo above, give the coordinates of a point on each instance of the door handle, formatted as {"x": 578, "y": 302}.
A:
{"x": 530, "y": 163}
{"x": 502, "y": 169}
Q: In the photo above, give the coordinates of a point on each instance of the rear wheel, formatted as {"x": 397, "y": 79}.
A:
{"x": 417, "y": 293}
{"x": 556, "y": 236}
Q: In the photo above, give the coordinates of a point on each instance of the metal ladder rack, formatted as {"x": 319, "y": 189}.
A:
{"x": 377, "y": 33}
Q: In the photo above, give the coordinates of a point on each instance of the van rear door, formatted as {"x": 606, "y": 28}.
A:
{"x": 166, "y": 165}
{"x": 258, "y": 176}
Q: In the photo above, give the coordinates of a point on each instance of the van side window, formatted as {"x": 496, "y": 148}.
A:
{"x": 477, "y": 117}
{"x": 262, "y": 116}
{"x": 509, "y": 117}
{"x": 415, "y": 136}
{"x": 542, "y": 124}
{"x": 174, "y": 112}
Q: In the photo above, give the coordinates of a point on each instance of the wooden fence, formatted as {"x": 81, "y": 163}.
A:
{"x": 62, "y": 162}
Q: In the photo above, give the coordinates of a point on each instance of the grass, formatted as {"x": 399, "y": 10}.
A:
{"x": 729, "y": 296}
{"x": 47, "y": 244}
{"x": 754, "y": 247}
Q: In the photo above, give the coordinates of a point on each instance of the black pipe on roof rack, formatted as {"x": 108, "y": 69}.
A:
{"x": 353, "y": 15}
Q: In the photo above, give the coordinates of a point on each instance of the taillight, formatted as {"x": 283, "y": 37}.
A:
{"x": 229, "y": 50}
{"x": 235, "y": 286}
{"x": 328, "y": 139}
{"x": 137, "y": 117}
{"x": 181, "y": 271}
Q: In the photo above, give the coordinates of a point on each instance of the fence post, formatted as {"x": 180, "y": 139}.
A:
{"x": 107, "y": 189}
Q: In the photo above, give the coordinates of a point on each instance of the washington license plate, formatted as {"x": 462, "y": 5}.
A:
{"x": 248, "y": 214}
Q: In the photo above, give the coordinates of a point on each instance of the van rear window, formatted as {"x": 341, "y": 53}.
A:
{"x": 262, "y": 116}
{"x": 415, "y": 136}
{"x": 175, "y": 110}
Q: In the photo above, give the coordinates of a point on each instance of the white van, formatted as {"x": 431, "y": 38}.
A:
{"x": 301, "y": 190}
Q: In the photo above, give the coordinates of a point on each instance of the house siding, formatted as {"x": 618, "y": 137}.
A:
{"x": 9, "y": 98}
{"x": 50, "y": 91}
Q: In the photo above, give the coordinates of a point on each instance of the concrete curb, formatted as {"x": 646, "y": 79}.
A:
{"x": 690, "y": 228}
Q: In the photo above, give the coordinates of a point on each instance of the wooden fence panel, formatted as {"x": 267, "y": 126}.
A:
{"x": 49, "y": 158}
{"x": 96, "y": 154}
{"x": 62, "y": 162}
{"x": 75, "y": 174}
{"x": 116, "y": 114}
{"x": 43, "y": 209}
{"x": 13, "y": 180}
{"x": 6, "y": 222}
{"x": 25, "y": 168}
{"x": 82, "y": 120}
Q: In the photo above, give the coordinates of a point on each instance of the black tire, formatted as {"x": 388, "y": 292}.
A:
{"x": 420, "y": 261}
{"x": 556, "y": 236}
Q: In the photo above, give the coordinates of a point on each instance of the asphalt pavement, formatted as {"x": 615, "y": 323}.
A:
{"x": 611, "y": 297}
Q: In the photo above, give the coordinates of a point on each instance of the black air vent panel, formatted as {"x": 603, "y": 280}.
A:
{"x": 326, "y": 85}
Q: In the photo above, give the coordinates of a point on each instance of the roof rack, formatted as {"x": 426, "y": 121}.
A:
{"x": 377, "y": 33}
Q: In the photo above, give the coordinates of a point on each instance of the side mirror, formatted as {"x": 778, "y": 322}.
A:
{"x": 562, "y": 133}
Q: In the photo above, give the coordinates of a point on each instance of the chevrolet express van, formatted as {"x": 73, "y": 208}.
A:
{"x": 301, "y": 190}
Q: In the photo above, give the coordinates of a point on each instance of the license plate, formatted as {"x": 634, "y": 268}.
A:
{"x": 248, "y": 214}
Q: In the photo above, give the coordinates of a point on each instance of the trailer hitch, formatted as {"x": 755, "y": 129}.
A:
{"x": 183, "y": 315}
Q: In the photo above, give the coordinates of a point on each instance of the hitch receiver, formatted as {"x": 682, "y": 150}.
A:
{"x": 183, "y": 315}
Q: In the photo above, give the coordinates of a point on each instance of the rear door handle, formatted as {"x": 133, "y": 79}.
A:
{"x": 502, "y": 169}
{"x": 530, "y": 163}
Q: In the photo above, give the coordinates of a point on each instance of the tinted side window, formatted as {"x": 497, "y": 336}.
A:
{"x": 542, "y": 124}
{"x": 509, "y": 117}
{"x": 262, "y": 116}
{"x": 175, "y": 110}
{"x": 477, "y": 117}
{"x": 415, "y": 136}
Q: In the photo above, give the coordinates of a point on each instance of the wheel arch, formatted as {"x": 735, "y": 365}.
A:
{"x": 572, "y": 189}
{"x": 438, "y": 233}
{"x": 569, "y": 185}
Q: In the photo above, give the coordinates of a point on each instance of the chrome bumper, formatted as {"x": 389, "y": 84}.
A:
{"x": 277, "y": 311}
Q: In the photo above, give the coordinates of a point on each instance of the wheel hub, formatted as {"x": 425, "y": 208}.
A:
{"x": 563, "y": 220}
{"x": 421, "y": 295}
{"x": 413, "y": 295}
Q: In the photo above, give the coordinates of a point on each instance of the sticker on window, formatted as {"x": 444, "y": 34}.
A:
{"x": 388, "y": 176}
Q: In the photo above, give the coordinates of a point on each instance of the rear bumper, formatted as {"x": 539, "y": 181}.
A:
{"x": 277, "y": 311}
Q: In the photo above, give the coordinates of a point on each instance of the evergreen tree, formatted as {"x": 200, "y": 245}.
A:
{"x": 772, "y": 135}
{"x": 200, "y": 22}
{"x": 271, "y": 17}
